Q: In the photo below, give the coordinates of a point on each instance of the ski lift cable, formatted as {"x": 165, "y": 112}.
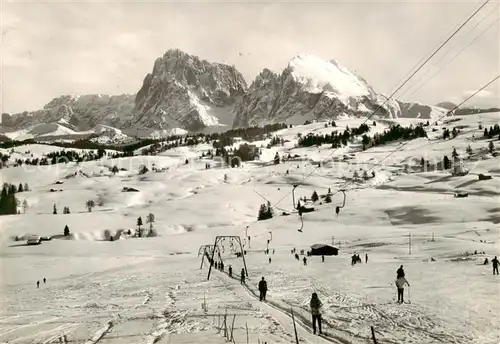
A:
{"x": 401, "y": 86}
{"x": 445, "y": 115}
{"x": 436, "y": 46}
{"x": 455, "y": 56}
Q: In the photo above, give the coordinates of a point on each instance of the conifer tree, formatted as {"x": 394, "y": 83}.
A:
{"x": 491, "y": 147}
{"x": 314, "y": 197}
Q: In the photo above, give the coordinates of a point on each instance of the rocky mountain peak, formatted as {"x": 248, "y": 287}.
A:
{"x": 185, "y": 91}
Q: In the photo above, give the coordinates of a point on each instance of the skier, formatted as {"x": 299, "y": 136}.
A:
{"x": 400, "y": 272}
{"x": 38, "y": 284}
{"x": 486, "y": 262}
{"x": 44, "y": 280}
{"x": 494, "y": 261}
{"x": 323, "y": 258}
{"x": 305, "y": 261}
{"x": 366, "y": 258}
{"x": 263, "y": 289}
{"x": 242, "y": 275}
{"x": 269, "y": 260}
{"x": 400, "y": 284}
{"x": 230, "y": 271}
{"x": 315, "y": 312}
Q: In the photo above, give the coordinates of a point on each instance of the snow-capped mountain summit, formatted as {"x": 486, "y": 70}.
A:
{"x": 310, "y": 88}
{"x": 187, "y": 92}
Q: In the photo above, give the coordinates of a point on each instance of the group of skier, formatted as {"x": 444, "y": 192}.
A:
{"x": 38, "y": 282}
{"x": 356, "y": 259}
{"x": 315, "y": 304}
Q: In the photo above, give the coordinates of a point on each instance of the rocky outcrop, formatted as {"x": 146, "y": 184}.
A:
{"x": 187, "y": 92}
{"x": 78, "y": 112}
{"x": 312, "y": 89}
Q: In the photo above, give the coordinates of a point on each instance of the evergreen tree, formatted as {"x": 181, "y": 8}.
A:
{"x": 486, "y": 134}
{"x": 139, "y": 224}
{"x": 355, "y": 175}
{"x": 25, "y": 206}
{"x": 20, "y": 187}
{"x": 446, "y": 134}
{"x": 114, "y": 169}
{"x": 365, "y": 175}
{"x": 276, "y": 158}
{"x": 491, "y": 147}
{"x": 328, "y": 199}
{"x": 90, "y": 204}
{"x": 265, "y": 211}
{"x": 66, "y": 230}
{"x": 151, "y": 220}
{"x": 454, "y": 132}
{"x": 314, "y": 197}
{"x": 446, "y": 162}
{"x": 269, "y": 210}
{"x": 26, "y": 187}
{"x": 54, "y": 209}
{"x": 454, "y": 154}
{"x": 8, "y": 201}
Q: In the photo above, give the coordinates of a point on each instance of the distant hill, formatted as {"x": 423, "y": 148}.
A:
{"x": 463, "y": 111}
{"x": 446, "y": 105}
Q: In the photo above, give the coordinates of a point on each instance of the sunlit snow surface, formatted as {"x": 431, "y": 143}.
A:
{"x": 151, "y": 290}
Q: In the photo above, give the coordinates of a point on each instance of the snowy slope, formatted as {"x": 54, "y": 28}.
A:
{"x": 327, "y": 76}
{"x": 146, "y": 290}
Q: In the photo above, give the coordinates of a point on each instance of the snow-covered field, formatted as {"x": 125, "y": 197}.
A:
{"x": 151, "y": 290}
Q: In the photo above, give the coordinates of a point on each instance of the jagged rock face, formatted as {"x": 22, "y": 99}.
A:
{"x": 79, "y": 112}
{"x": 184, "y": 91}
{"x": 312, "y": 89}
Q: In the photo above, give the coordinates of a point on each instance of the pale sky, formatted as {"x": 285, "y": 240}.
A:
{"x": 52, "y": 48}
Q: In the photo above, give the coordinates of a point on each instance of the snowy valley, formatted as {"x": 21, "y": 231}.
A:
{"x": 403, "y": 205}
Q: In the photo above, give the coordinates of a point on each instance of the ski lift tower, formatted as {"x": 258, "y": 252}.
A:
{"x": 219, "y": 239}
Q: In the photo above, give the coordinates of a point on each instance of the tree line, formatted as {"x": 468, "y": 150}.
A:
{"x": 9, "y": 203}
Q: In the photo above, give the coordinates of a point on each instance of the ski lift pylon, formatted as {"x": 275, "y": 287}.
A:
{"x": 337, "y": 208}
{"x": 301, "y": 224}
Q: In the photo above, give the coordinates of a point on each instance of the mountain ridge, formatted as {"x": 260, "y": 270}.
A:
{"x": 185, "y": 92}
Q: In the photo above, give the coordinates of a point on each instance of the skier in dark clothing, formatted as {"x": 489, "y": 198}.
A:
{"x": 323, "y": 258}
{"x": 366, "y": 258}
{"x": 486, "y": 262}
{"x": 263, "y": 289}
{"x": 230, "y": 271}
{"x": 494, "y": 261}
{"x": 44, "y": 280}
{"x": 401, "y": 272}
{"x": 315, "y": 312}
{"x": 38, "y": 284}
{"x": 242, "y": 275}
{"x": 305, "y": 261}
{"x": 269, "y": 260}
